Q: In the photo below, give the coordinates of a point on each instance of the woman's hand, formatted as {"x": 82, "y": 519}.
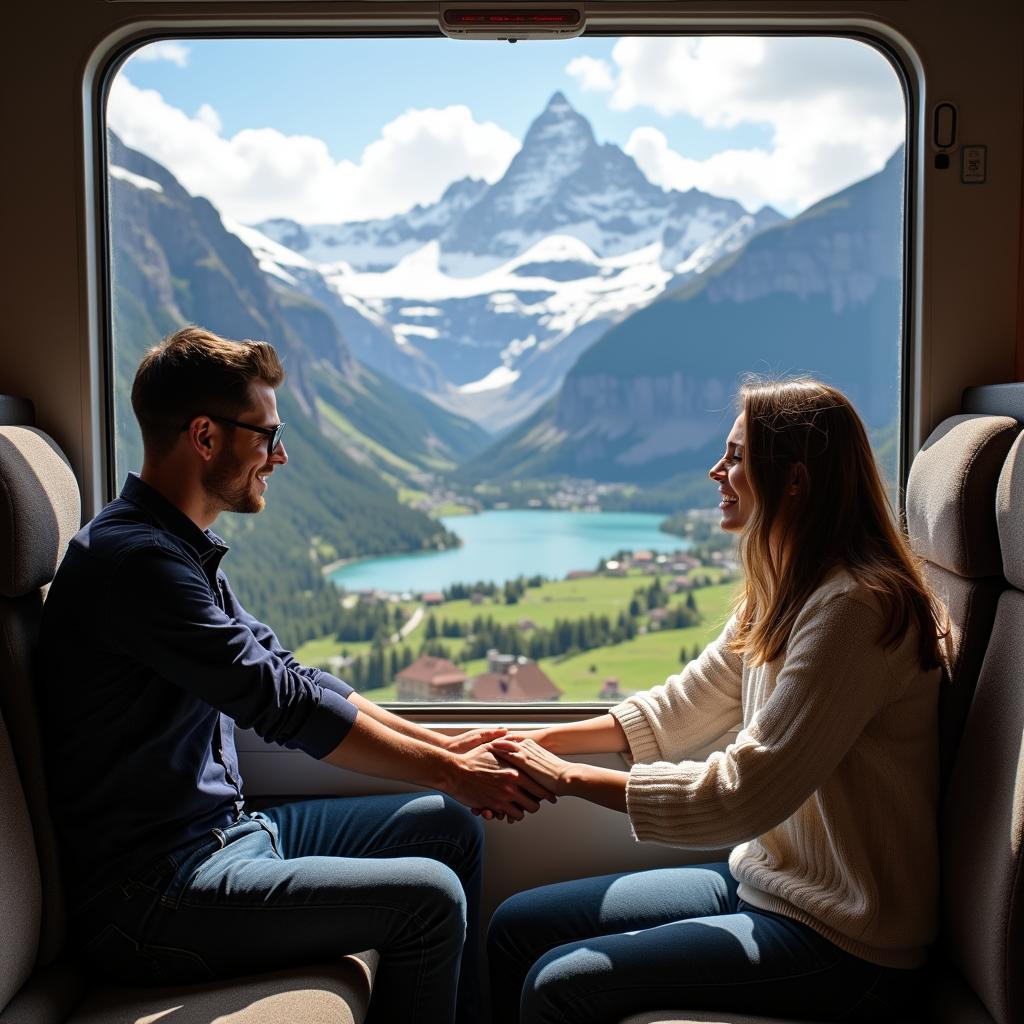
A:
{"x": 530, "y": 757}
{"x": 604, "y": 786}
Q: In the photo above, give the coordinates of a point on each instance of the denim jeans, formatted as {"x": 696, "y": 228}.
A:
{"x": 305, "y": 883}
{"x": 599, "y": 949}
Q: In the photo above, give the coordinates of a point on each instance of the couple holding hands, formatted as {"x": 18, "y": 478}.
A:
{"x": 824, "y": 681}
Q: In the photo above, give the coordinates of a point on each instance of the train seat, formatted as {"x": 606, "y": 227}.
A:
{"x": 965, "y": 515}
{"x": 40, "y": 983}
{"x": 951, "y": 520}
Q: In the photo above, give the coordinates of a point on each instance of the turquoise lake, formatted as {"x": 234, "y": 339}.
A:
{"x": 499, "y": 546}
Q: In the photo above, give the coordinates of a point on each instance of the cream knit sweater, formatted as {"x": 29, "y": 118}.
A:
{"x": 829, "y": 789}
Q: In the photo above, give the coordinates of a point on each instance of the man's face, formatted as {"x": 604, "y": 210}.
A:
{"x": 237, "y": 478}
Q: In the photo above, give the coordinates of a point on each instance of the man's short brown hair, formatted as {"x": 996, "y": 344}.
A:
{"x": 193, "y": 373}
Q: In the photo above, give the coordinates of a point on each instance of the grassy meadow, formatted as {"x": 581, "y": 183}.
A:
{"x": 637, "y": 664}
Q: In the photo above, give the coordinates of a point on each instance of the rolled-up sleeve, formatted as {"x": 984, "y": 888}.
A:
{"x": 169, "y": 620}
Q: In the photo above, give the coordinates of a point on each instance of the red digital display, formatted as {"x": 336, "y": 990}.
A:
{"x": 522, "y": 19}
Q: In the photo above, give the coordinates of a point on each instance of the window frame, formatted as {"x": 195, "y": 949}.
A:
{"x": 419, "y": 20}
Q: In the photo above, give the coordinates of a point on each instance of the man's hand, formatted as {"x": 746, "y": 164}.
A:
{"x": 482, "y": 781}
{"x": 465, "y": 741}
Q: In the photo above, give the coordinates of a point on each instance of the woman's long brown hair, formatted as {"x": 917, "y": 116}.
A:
{"x": 803, "y": 431}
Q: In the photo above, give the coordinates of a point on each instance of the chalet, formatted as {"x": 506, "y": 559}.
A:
{"x": 680, "y": 563}
{"x": 513, "y": 679}
{"x": 679, "y": 583}
{"x": 433, "y": 598}
{"x": 429, "y": 678}
{"x": 580, "y": 574}
{"x": 641, "y": 557}
{"x": 657, "y": 617}
{"x": 610, "y": 690}
{"x": 525, "y": 624}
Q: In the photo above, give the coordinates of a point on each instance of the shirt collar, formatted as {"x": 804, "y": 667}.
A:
{"x": 207, "y": 544}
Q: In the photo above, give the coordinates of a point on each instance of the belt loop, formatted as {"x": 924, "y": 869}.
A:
{"x": 219, "y": 836}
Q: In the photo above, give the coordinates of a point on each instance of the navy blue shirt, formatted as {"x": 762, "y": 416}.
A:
{"x": 147, "y": 661}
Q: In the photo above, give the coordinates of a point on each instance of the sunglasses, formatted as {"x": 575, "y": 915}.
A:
{"x": 273, "y": 434}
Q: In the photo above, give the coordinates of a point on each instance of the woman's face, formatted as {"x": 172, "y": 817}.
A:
{"x": 737, "y": 502}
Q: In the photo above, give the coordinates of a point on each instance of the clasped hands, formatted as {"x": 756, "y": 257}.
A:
{"x": 507, "y": 776}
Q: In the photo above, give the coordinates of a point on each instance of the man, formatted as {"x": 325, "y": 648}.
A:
{"x": 149, "y": 661}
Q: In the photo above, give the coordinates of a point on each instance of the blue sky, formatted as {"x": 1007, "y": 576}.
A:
{"x": 343, "y": 90}
{"x": 324, "y": 131}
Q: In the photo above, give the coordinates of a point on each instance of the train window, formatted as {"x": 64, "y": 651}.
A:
{"x": 513, "y": 289}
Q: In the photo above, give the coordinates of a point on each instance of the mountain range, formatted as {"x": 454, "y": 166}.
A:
{"x": 820, "y": 294}
{"x": 599, "y": 336}
{"x": 484, "y": 300}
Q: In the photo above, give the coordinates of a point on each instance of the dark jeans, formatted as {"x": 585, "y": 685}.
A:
{"x": 305, "y": 883}
{"x": 599, "y": 949}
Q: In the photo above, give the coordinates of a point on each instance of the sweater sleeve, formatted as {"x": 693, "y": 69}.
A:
{"x": 834, "y": 679}
{"x": 691, "y": 709}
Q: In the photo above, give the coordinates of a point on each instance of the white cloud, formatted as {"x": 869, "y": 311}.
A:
{"x": 208, "y": 116}
{"x": 833, "y": 106}
{"x": 167, "y": 49}
{"x": 594, "y": 75}
{"x": 262, "y": 172}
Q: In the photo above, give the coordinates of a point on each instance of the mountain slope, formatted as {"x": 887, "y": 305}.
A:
{"x": 818, "y": 294}
{"x": 175, "y": 263}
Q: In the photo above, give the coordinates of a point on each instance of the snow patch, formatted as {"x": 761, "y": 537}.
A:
{"x": 499, "y": 377}
{"x": 420, "y": 311}
{"x": 556, "y": 249}
{"x": 270, "y": 267}
{"x": 516, "y": 347}
{"x": 415, "y": 330}
{"x": 123, "y": 174}
{"x": 264, "y": 247}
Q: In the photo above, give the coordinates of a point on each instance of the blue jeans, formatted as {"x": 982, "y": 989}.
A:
{"x": 596, "y": 950}
{"x": 305, "y": 883}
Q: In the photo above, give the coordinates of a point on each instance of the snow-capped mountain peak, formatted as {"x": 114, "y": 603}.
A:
{"x": 500, "y": 287}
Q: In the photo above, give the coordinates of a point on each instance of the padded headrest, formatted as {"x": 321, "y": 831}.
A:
{"x": 951, "y": 514}
{"x": 1010, "y": 514}
{"x": 40, "y": 509}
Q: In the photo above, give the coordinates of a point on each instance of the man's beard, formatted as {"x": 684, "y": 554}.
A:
{"x": 225, "y": 481}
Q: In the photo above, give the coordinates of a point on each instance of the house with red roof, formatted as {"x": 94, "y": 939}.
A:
{"x": 430, "y": 678}
{"x": 513, "y": 679}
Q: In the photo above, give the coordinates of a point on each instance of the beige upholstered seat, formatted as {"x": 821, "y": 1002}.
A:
{"x": 951, "y": 520}
{"x": 700, "y": 1017}
{"x": 338, "y": 994}
{"x": 39, "y": 982}
{"x": 983, "y": 816}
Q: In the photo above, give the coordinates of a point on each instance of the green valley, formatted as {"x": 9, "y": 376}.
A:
{"x": 646, "y": 657}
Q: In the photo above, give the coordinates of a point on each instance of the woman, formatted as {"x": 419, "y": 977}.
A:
{"x": 827, "y": 794}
